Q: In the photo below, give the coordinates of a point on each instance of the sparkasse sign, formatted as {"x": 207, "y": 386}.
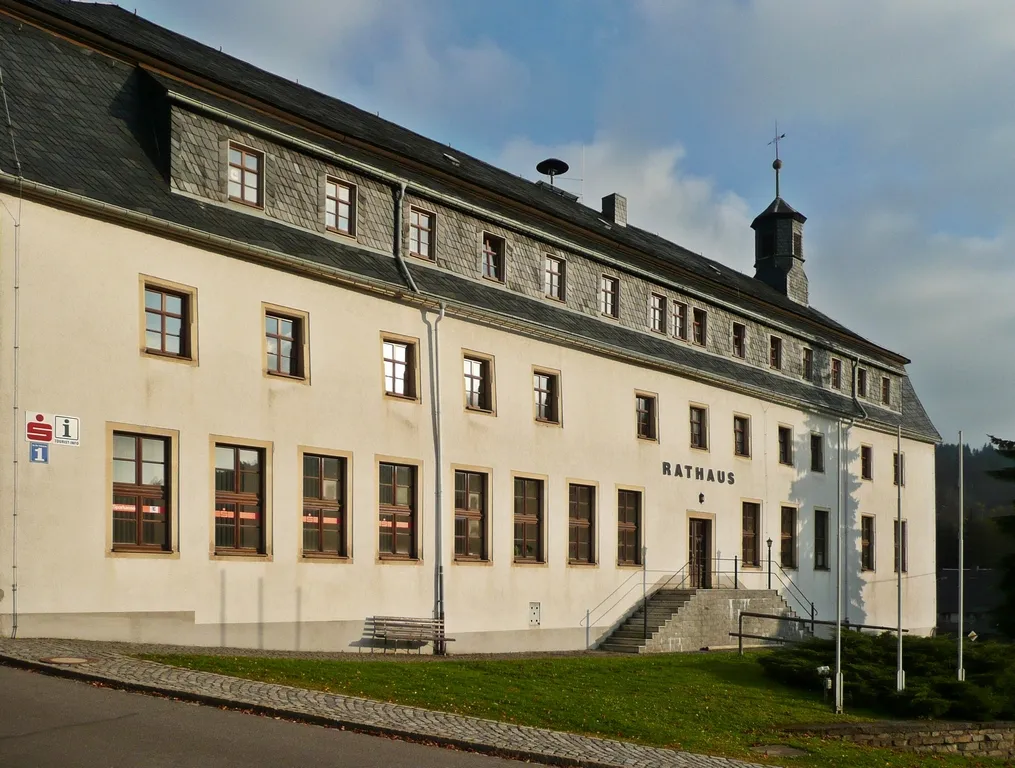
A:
{"x": 52, "y": 428}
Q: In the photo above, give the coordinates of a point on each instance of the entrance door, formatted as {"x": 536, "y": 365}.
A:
{"x": 700, "y": 548}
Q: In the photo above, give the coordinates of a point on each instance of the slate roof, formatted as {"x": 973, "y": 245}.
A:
{"x": 82, "y": 125}
{"x": 125, "y": 28}
{"x": 779, "y": 207}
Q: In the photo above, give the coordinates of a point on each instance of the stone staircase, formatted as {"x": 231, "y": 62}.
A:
{"x": 692, "y": 619}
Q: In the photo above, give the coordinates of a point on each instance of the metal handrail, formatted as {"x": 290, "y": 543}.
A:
{"x": 654, "y": 588}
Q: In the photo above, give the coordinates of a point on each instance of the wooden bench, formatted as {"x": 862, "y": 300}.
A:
{"x": 407, "y": 629}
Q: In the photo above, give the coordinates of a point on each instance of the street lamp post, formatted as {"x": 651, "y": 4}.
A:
{"x": 769, "y": 562}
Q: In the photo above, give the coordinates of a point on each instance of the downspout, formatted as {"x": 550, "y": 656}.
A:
{"x": 438, "y": 443}
{"x": 435, "y": 407}
{"x": 842, "y": 493}
{"x": 397, "y": 245}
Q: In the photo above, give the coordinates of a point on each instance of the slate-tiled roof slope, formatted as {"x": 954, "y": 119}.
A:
{"x": 125, "y": 28}
{"x": 81, "y": 124}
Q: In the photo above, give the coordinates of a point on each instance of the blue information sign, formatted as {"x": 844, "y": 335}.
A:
{"x": 38, "y": 453}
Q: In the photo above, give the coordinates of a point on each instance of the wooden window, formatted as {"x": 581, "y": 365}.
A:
{"x": 657, "y": 312}
{"x": 609, "y": 296}
{"x": 775, "y": 352}
{"x": 478, "y": 384}
{"x": 645, "y": 408}
{"x": 470, "y": 515}
{"x": 628, "y": 527}
{"x": 284, "y": 339}
{"x": 546, "y": 388}
{"x": 788, "y": 548}
{"x": 808, "y": 364}
{"x": 904, "y": 545}
{"x": 397, "y": 511}
{"x": 817, "y": 453}
{"x": 245, "y": 175}
{"x": 167, "y": 322}
{"x": 836, "y": 373}
{"x": 239, "y": 498}
{"x": 741, "y": 436}
{"x": 861, "y": 382}
{"x": 493, "y": 257}
{"x": 898, "y": 469}
{"x": 866, "y": 462}
{"x": 340, "y": 206}
{"x": 739, "y": 340}
{"x": 581, "y": 524}
{"x": 399, "y": 368}
{"x": 554, "y": 277}
{"x": 798, "y": 244}
{"x": 821, "y": 539}
{"x": 886, "y": 390}
{"x": 325, "y": 518}
{"x": 680, "y": 321}
{"x": 751, "y": 527}
{"x": 421, "y": 233}
{"x": 141, "y": 492}
{"x": 528, "y": 519}
{"x": 867, "y": 547}
{"x": 699, "y": 427}
{"x": 786, "y": 446}
{"x": 699, "y": 328}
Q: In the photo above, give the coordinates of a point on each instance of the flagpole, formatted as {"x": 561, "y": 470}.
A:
{"x": 838, "y": 583}
{"x": 962, "y": 555}
{"x": 900, "y": 673}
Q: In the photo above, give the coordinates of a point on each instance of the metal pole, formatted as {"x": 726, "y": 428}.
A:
{"x": 740, "y": 634}
{"x": 588, "y": 629}
{"x": 814, "y": 615}
{"x": 770, "y": 563}
{"x": 900, "y": 673}
{"x": 644, "y": 593}
{"x": 962, "y": 554}
{"x": 838, "y": 582}
{"x": 736, "y": 577}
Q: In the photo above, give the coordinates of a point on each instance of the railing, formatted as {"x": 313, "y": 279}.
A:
{"x": 796, "y": 620}
{"x": 664, "y": 580}
{"x": 790, "y": 588}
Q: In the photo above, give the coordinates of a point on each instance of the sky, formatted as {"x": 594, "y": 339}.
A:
{"x": 899, "y": 122}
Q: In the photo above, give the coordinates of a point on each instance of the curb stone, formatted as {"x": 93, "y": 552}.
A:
{"x": 109, "y": 667}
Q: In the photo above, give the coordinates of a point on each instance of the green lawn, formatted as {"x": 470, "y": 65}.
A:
{"x": 715, "y": 703}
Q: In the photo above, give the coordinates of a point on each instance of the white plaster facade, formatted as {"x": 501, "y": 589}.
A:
{"x": 79, "y": 354}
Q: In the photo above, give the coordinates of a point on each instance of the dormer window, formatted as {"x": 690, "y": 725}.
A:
{"x": 493, "y": 257}
{"x": 339, "y": 206}
{"x": 775, "y": 353}
{"x": 245, "y": 175}
{"x": 861, "y": 382}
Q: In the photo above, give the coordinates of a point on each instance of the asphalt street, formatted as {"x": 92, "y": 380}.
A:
{"x": 47, "y": 722}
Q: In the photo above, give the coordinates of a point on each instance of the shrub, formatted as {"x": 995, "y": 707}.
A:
{"x": 932, "y": 690}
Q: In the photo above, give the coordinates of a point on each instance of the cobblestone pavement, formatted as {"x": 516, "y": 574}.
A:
{"x": 110, "y": 664}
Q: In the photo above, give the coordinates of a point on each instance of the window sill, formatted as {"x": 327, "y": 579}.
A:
{"x": 608, "y": 316}
{"x": 323, "y": 557}
{"x": 529, "y": 563}
{"x": 547, "y": 422}
{"x": 420, "y": 256}
{"x": 750, "y": 567}
{"x": 660, "y": 331}
{"x": 471, "y": 561}
{"x": 818, "y": 471}
{"x": 629, "y": 565}
{"x": 558, "y": 299}
{"x": 398, "y": 559}
{"x": 742, "y": 456}
{"x": 867, "y": 479}
{"x": 157, "y": 353}
{"x": 240, "y": 554}
{"x": 867, "y": 570}
{"x": 699, "y": 343}
{"x": 581, "y": 564}
{"x": 121, "y": 549}
{"x": 497, "y": 280}
{"x": 822, "y": 568}
{"x": 333, "y": 231}
{"x": 403, "y": 398}
{"x": 702, "y": 448}
{"x": 786, "y": 464}
{"x": 647, "y": 439}
{"x": 246, "y": 203}
{"x": 481, "y": 411}
{"x": 789, "y": 567}
{"x": 287, "y": 376}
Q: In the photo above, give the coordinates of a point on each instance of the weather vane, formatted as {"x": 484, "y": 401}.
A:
{"x": 777, "y": 163}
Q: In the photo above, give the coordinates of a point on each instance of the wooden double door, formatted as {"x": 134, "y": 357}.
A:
{"x": 700, "y": 552}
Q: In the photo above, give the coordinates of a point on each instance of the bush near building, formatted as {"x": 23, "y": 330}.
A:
{"x": 932, "y": 687}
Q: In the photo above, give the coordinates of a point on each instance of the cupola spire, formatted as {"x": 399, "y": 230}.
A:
{"x": 777, "y": 163}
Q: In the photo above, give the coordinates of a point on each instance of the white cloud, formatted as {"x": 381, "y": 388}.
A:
{"x": 662, "y": 197}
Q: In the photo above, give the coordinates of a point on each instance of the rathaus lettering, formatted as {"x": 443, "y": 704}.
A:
{"x": 697, "y": 473}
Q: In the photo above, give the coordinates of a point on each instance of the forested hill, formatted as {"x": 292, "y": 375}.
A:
{"x": 985, "y": 498}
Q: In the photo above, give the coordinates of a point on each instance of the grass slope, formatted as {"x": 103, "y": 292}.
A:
{"x": 717, "y": 704}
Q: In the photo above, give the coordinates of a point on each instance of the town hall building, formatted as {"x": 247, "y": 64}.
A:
{"x": 274, "y": 367}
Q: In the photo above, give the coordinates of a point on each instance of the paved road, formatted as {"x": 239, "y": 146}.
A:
{"x": 46, "y": 722}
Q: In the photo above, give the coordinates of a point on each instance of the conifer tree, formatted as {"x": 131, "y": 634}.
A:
{"x": 1006, "y": 610}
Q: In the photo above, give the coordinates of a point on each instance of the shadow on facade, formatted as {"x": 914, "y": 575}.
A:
{"x": 812, "y": 492}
